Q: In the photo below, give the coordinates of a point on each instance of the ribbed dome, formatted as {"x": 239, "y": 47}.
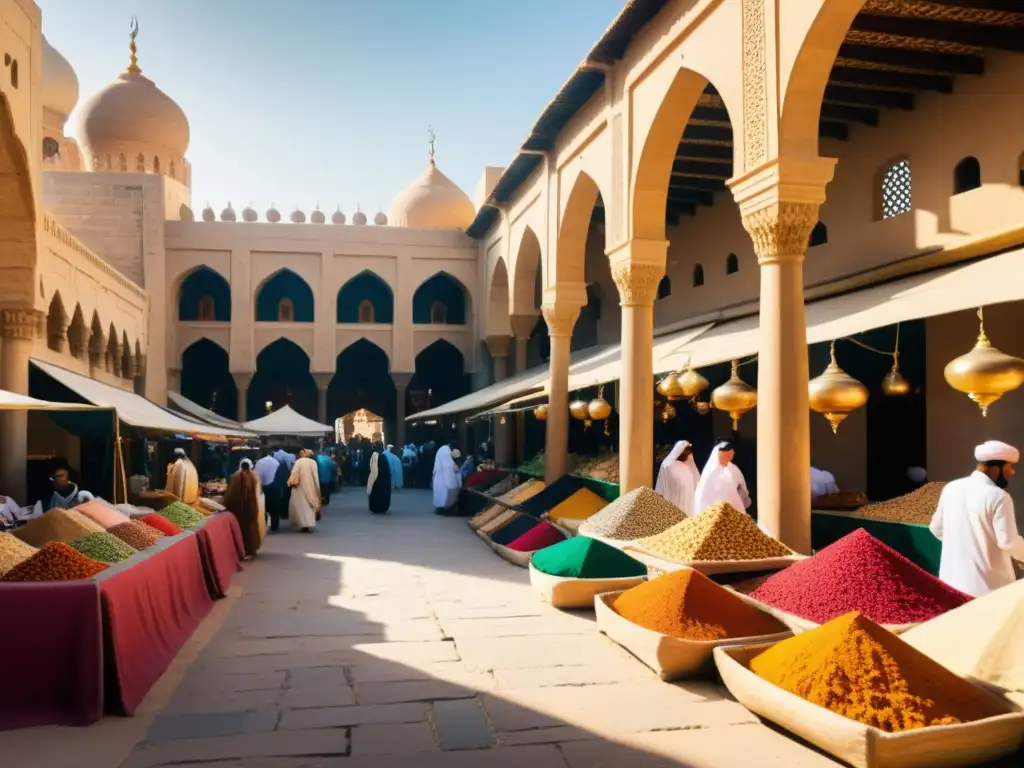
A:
{"x": 338, "y": 217}
{"x": 60, "y": 83}
{"x": 228, "y": 214}
{"x": 380, "y": 219}
{"x": 433, "y": 201}
{"x": 298, "y": 217}
{"x": 273, "y": 215}
{"x": 359, "y": 219}
{"x": 249, "y": 214}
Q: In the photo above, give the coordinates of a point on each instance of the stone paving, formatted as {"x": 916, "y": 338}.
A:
{"x": 402, "y": 640}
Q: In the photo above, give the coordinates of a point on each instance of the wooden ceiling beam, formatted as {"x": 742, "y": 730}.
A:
{"x": 704, "y": 152}
{"x": 883, "y": 78}
{"x": 679, "y": 181}
{"x": 707, "y": 133}
{"x": 941, "y": 30}
{"x": 865, "y": 115}
{"x": 952, "y": 63}
{"x": 701, "y": 168}
{"x": 867, "y": 97}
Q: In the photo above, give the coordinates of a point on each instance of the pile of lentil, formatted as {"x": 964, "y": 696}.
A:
{"x": 689, "y": 605}
{"x": 182, "y": 515}
{"x": 162, "y": 524}
{"x": 103, "y": 547}
{"x": 581, "y": 505}
{"x": 137, "y": 534}
{"x": 859, "y": 573}
{"x": 13, "y": 551}
{"x": 915, "y": 507}
{"x": 720, "y": 532}
{"x": 638, "y": 514}
{"x": 862, "y": 671}
{"x": 583, "y": 558}
{"x": 542, "y": 535}
{"x": 56, "y": 561}
{"x": 56, "y": 525}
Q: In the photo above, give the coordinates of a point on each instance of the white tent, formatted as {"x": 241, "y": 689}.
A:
{"x": 205, "y": 415}
{"x": 287, "y": 422}
{"x": 12, "y": 401}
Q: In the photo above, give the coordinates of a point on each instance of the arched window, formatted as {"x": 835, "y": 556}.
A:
{"x": 698, "y": 276}
{"x": 366, "y": 311}
{"x": 14, "y": 73}
{"x": 819, "y": 235}
{"x": 285, "y": 284}
{"x": 732, "y": 264}
{"x": 285, "y": 311}
{"x": 966, "y": 175}
{"x": 51, "y": 148}
{"x": 1020, "y": 169}
{"x": 438, "y": 313}
{"x": 895, "y": 190}
{"x": 207, "y": 309}
{"x": 664, "y": 288}
{"x": 444, "y": 289}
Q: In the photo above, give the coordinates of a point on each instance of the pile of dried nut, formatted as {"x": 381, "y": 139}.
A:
{"x": 639, "y": 513}
{"x": 721, "y": 532}
{"x": 915, "y": 507}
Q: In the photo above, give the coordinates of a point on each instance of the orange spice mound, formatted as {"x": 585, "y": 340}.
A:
{"x": 56, "y": 561}
{"x": 689, "y": 605}
{"x": 862, "y": 671}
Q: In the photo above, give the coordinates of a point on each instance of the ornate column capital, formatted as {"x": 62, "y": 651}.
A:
{"x": 637, "y": 267}
{"x": 498, "y": 346}
{"x": 561, "y": 318}
{"x": 781, "y": 231}
{"x": 523, "y": 324}
{"x": 23, "y": 324}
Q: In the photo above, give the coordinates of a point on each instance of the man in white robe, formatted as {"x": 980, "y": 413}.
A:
{"x": 975, "y": 523}
{"x": 446, "y": 479}
{"x": 183, "y": 478}
{"x": 304, "y": 503}
{"x": 678, "y": 477}
{"x": 823, "y": 483}
{"x": 721, "y": 481}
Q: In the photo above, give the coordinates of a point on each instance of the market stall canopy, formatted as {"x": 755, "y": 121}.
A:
{"x": 132, "y": 409}
{"x": 12, "y": 401}
{"x": 196, "y": 411}
{"x": 287, "y": 422}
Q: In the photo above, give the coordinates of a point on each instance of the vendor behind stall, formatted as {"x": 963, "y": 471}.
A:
{"x": 65, "y": 493}
{"x": 182, "y": 478}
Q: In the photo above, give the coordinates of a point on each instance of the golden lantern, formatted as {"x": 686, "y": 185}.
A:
{"x": 578, "y": 410}
{"x": 835, "y": 393}
{"x": 670, "y": 387}
{"x": 691, "y": 382}
{"x": 984, "y": 374}
{"x": 702, "y": 407}
{"x": 735, "y": 397}
{"x": 895, "y": 384}
{"x": 599, "y": 408}
{"x": 668, "y": 412}
{"x": 540, "y": 413}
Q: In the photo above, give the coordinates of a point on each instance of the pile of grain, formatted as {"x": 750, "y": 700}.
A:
{"x": 639, "y": 513}
{"x": 103, "y": 547}
{"x": 914, "y": 507}
{"x": 56, "y": 525}
{"x": 137, "y": 534}
{"x": 604, "y": 467}
{"x": 56, "y": 561}
{"x": 13, "y": 551}
{"x": 105, "y": 516}
{"x": 182, "y": 515}
{"x": 720, "y": 532}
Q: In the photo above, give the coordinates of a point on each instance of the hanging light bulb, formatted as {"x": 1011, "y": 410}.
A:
{"x": 984, "y": 374}
{"x": 735, "y": 397}
{"x": 578, "y": 410}
{"x": 835, "y": 393}
{"x": 599, "y": 408}
{"x": 540, "y": 413}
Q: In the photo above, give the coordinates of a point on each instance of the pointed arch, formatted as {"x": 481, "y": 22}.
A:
{"x": 97, "y": 344}
{"x": 732, "y": 264}
{"x": 571, "y": 254}
{"x": 498, "y": 322}
{"x": 112, "y": 354}
{"x": 56, "y": 324}
{"x": 442, "y": 289}
{"x": 966, "y": 175}
{"x": 206, "y": 378}
{"x": 362, "y": 379}
{"x": 281, "y": 289}
{"x": 18, "y": 213}
{"x": 282, "y": 377}
{"x": 527, "y": 264}
{"x": 440, "y": 375}
{"x": 78, "y": 334}
{"x": 204, "y": 295}
{"x": 126, "y": 356}
{"x": 698, "y": 276}
{"x": 370, "y": 287}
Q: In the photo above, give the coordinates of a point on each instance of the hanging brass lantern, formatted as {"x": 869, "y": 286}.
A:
{"x": 702, "y": 407}
{"x": 984, "y": 374}
{"x": 599, "y": 408}
{"x": 578, "y": 410}
{"x": 668, "y": 412}
{"x": 669, "y": 387}
{"x": 735, "y": 397}
{"x": 691, "y": 382}
{"x": 895, "y": 384}
{"x": 836, "y": 394}
{"x": 540, "y": 413}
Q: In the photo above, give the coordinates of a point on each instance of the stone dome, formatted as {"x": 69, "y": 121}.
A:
{"x": 185, "y": 213}
{"x": 433, "y": 201}
{"x": 298, "y": 217}
{"x": 60, "y": 85}
{"x": 381, "y": 220}
{"x": 317, "y": 217}
{"x": 249, "y": 214}
{"x": 208, "y": 214}
{"x": 228, "y": 214}
{"x": 273, "y": 215}
{"x": 359, "y": 219}
{"x": 338, "y": 217}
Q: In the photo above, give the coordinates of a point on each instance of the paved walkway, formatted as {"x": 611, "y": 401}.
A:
{"x": 403, "y": 641}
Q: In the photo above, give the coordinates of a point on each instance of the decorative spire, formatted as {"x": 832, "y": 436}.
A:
{"x": 431, "y": 141}
{"x": 133, "y": 64}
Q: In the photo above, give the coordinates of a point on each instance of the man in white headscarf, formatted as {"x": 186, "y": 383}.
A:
{"x": 183, "y": 478}
{"x": 975, "y": 523}
{"x": 678, "y": 477}
{"x": 720, "y": 481}
{"x": 823, "y": 483}
{"x": 447, "y": 480}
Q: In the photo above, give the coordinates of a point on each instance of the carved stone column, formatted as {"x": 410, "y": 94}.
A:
{"x": 18, "y": 330}
{"x": 323, "y": 381}
{"x": 498, "y": 346}
{"x": 779, "y": 204}
{"x": 522, "y": 329}
{"x": 637, "y": 268}
{"x": 560, "y": 314}
{"x": 401, "y": 386}
{"x": 242, "y": 381}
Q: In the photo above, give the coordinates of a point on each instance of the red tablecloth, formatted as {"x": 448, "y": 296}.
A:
{"x": 220, "y": 542}
{"x": 150, "y": 608}
{"x": 51, "y": 652}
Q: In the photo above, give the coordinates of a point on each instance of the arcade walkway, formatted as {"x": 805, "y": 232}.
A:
{"x": 403, "y": 641}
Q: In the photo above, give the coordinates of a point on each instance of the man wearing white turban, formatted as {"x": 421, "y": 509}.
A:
{"x": 678, "y": 477}
{"x": 975, "y": 523}
{"x": 721, "y": 480}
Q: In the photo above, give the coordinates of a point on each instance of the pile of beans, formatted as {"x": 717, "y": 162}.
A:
{"x": 721, "y": 532}
{"x": 13, "y": 551}
{"x": 55, "y": 562}
{"x": 137, "y": 534}
{"x": 103, "y": 548}
{"x": 915, "y": 507}
{"x": 639, "y": 513}
{"x": 182, "y": 515}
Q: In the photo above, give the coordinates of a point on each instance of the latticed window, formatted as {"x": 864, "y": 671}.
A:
{"x": 896, "y": 197}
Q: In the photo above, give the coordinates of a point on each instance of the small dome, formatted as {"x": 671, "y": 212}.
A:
{"x": 359, "y": 219}
{"x": 381, "y": 220}
{"x": 60, "y": 84}
{"x": 338, "y": 217}
{"x": 433, "y": 201}
{"x": 208, "y": 214}
{"x": 298, "y": 217}
{"x": 185, "y": 213}
{"x": 273, "y": 215}
{"x": 228, "y": 214}
{"x": 317, "y": 217}
{"x": 249, "y": 214}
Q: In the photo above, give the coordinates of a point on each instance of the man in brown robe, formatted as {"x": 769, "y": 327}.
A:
{"x": 242, "y": 500}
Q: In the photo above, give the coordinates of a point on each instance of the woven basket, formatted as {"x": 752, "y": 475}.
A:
{"x": 671, "y": 657}
{"x": 863, "y": 746}
{"x": 567, "y": 592}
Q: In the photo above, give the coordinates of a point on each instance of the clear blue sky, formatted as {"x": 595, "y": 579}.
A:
{"x": 329, "y": 100}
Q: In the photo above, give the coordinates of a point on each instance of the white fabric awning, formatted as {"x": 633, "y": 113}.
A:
{"x": 286, "y": 421}
{"x": 132, "y": 409}
{"x": 12, "y": 401}
{"x": 193, "y": 409}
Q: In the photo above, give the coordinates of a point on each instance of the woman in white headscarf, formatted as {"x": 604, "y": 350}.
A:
{"x": 678, "y": 477}
{"x": 447, "y": 480}
{"x": 720, "y": 481}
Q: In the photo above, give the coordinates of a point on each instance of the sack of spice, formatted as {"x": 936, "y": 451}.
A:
{"x": 581, "y": 506}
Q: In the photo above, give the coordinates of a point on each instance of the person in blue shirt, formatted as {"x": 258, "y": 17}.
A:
{"x": 327, "y": 471}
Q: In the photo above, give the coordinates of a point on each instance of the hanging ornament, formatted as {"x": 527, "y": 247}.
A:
{"x": 670, "y": 387}
{"x": 668, "y": 412}
{"x": 578, "y": 410}
{"x": 984, "y": 374}
{"x": 895, "y": 384}
{"x": 735, "y": 397}
{"x": 691, "y": 382}
{"x": 702, "y": 407}
{"x": 540, "y": 413}
{"x": 835, "y": 393}
{"x": 599, "y": 408}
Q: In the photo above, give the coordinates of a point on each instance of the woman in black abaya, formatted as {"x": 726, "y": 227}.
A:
{"x": 378, "y": 486}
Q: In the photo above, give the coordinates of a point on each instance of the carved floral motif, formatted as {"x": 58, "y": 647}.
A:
{"x": 560, "y": 318}
{"x": 637, "y": 282}
{"x": 755, "y": 85}
{"x": 781, "y": 231}
{"x": 24, "y": 324}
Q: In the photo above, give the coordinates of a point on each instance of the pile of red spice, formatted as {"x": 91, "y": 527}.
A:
{"x": 479, "y": 478}
{"x": 540, "y": 536}
{"x": 56, "y": 561}
{"x": 161, "y": 524}
{"x": 859, "y": 573}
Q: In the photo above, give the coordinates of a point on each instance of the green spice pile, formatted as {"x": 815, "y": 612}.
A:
{"x": 182, "y": 515}
{"x": 639, "y": 513}
{"x": 55, "y": 562}
{"x": 137, "y": 534}
{"x": 103, "y": 548}
{"x": 583, "y": 558}
{"x": 720, "y": 532}
{"x": 13, "y": 551}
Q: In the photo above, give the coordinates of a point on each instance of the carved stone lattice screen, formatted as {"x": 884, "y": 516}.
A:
{"x": 896, "y": 190}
